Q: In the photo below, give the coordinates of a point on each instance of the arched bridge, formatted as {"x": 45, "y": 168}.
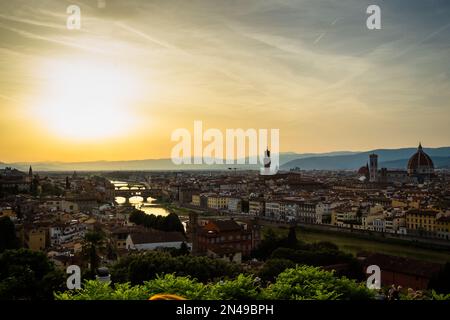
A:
{"x": 134, "y": 192}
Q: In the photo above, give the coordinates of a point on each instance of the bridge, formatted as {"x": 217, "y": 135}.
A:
{"x": 136, "y": 190}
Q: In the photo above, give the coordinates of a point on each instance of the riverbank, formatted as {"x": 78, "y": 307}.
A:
{"x": 353, "y": 244}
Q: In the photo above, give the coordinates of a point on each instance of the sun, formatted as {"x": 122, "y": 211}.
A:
{"x": 85, "y": 100}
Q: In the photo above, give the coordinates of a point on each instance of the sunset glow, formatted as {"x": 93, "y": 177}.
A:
{"x": 84, "y": 100}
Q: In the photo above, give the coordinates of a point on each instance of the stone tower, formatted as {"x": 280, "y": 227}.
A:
{"x": 373, "y": 167}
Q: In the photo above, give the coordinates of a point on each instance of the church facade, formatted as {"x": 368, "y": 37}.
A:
{"x": 420, "y": 169}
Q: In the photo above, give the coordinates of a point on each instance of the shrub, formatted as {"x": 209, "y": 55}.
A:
{"x": 244, "y": 287}
{"x": 311, "y": 283}
{"x": 141, "y": 267}
{"x": 183, "y": 286}
{"x": 273, "y": 267}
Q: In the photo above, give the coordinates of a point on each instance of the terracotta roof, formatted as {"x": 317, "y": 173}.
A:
{"x": 420, "y": 159}
{"x": 226, "y": 225}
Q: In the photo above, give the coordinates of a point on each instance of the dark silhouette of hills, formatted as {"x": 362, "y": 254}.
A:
{"x": 340, "y": 160}
{"x": 389, "y": 158}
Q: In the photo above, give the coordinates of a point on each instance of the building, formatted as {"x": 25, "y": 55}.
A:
{"x": 373, "y": 167}
{"x": 36, "y": 239}
{"x": 67, "y": 232}
{"x": 234, "y": 204}
{"x": 288, "y": 209}
{"x": 442, "y": 227}
{"x": 217, "y": 202}
{"x": 256, "y": 207}
{"x": 153, "y": 239}
{"x": 60, "y": 205}
{"x": 228, "y": 236}
{"x": 421, "y": 166}
{"x": 323, "y": 212}
{"x": 421, "y": 222}
{"x": 272, "y": 210}
{"x": 15, "y": 180}
{"x": 306, "y": 212}
{"x": 196, "y": 200}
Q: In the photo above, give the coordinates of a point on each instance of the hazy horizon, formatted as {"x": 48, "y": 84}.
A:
{"x": 168, "y": 158}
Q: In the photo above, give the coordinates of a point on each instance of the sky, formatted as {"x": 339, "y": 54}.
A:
{"x": 137, "y": 70}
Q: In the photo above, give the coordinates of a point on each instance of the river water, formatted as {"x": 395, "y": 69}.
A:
{"x": 146, "y": 205}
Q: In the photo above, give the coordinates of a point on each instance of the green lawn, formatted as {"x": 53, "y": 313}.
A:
{"x": 354, "y": 245}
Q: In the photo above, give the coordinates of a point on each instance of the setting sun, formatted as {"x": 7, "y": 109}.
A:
{"x": 85, "y": 100}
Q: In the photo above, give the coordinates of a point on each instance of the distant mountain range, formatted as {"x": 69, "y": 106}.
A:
{"x": 387, "y": 158}
{"x": 340, "y": 160}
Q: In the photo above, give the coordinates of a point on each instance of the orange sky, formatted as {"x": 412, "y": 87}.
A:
{"x": 118, "y": 88}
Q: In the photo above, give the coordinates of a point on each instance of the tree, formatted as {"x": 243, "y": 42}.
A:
{"x": 140, "y": 267}
{"x": 29, "y": 275}
{"x": 298, "y": 283}
{"x": 273, "y": 267}
{"x": 184, "y": 249}
{"x": 93, "y": 243}
{"x": 8, "y": 238}
{"x": 270, "y": 242}
{"x": 292, "y": 238}
{"x": 172, "y": 223}
{"x": 312, "y": 283}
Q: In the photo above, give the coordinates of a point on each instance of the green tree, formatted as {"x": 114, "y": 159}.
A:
{"x": 171, "y": 222}
{"x": 273, "y": 267}
{"x": 299, "y": 283}
{"x": 28, "y": 275}
{"x": 270, "y": 242}
{"x": 291, "y": 240}
{"x": 140, "y": 267}
{"x": 8, "y": 238}
{"x": 94, "y": 242}
{"x": 312, "y": 283}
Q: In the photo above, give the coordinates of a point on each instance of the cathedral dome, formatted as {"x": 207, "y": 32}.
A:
{"x": 364, "y": 170}
{"x": 420, "y": 163}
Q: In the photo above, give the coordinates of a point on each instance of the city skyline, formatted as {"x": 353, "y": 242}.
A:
{"x": 117, "y": 88}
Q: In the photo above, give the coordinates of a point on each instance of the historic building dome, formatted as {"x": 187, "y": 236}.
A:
{"x": 364, "y": 170}
{"x": 420, "y": 163}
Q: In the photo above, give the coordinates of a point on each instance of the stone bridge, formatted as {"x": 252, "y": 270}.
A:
{"x": 140, "y": 192}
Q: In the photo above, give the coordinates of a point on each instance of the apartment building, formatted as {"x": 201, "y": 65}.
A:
{"x": 256, "y": 207}
{"x": 421, "y": 222}
{"x": 217, "y": 202}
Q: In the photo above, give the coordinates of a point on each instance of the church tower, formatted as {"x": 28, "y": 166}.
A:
{"x": 373, "y": 167}
{"x": 267, "y": 161}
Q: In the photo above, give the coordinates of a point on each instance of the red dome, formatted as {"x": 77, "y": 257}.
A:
{"x": 364, "y": 170}
{"x": 420, "y": 163}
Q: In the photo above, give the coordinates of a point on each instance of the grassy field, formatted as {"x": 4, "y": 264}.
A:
{"x": 354, "y": 245}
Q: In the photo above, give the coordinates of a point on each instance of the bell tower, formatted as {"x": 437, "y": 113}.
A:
{"x": 373, "y": 167}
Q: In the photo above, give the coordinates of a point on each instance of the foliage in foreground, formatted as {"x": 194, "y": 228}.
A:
{"x": 299, "y": 283}
{"x": 140, "y": 267}
{"x": 28, "y": 275}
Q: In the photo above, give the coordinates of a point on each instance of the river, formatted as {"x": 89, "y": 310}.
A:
{"x": 146, "y": 205}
